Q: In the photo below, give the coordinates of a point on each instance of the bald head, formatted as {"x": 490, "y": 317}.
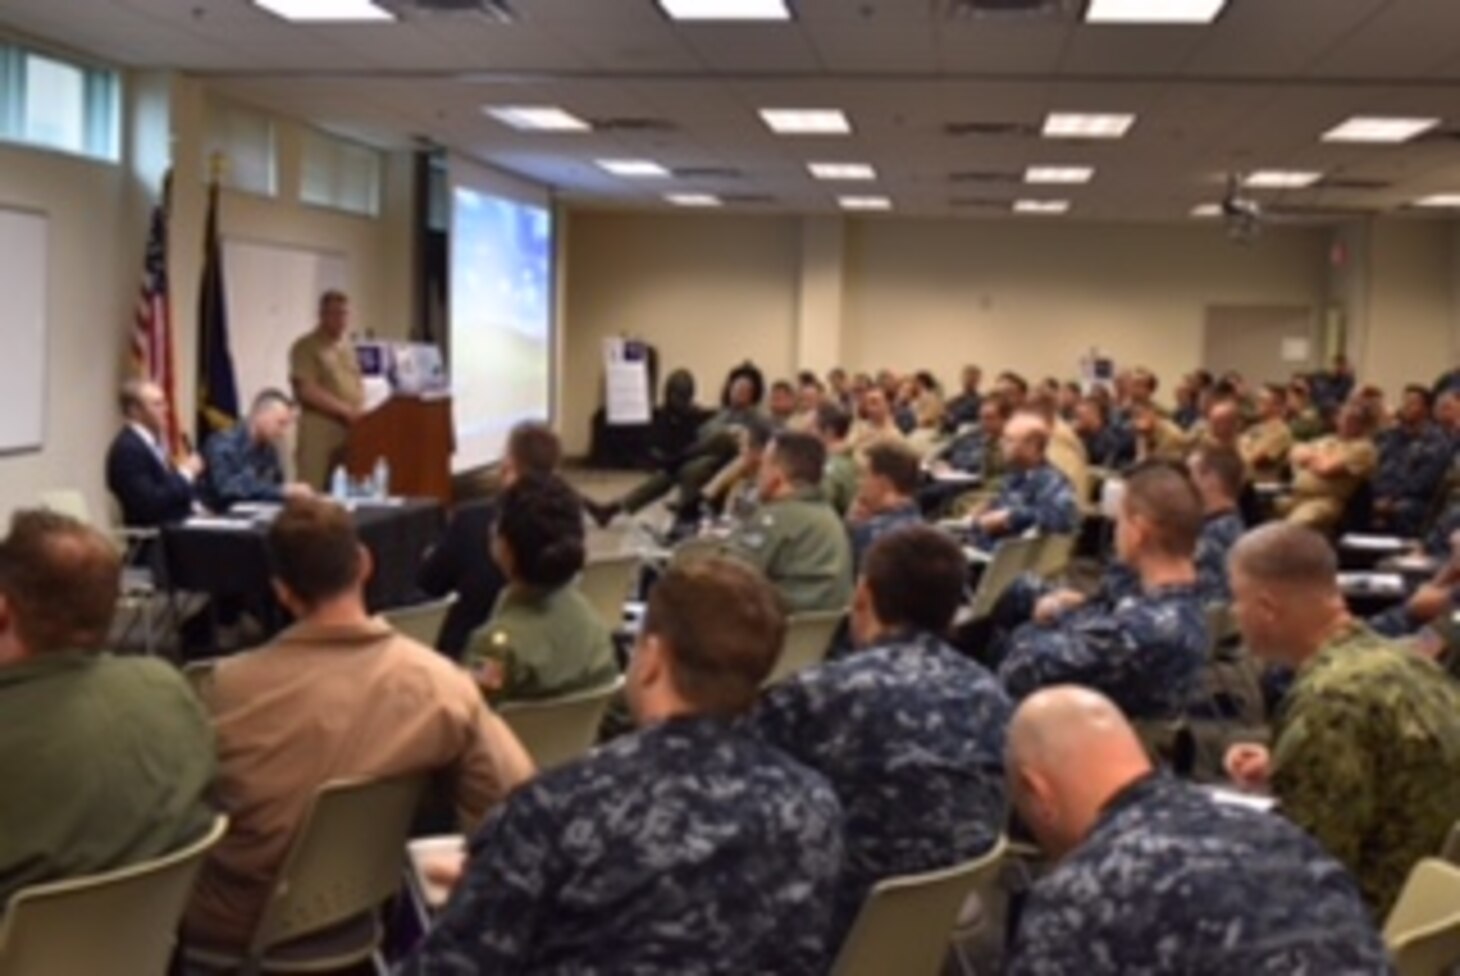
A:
{"x": 1285, "y": 596}
{"x": 1026, "y": 436}
{"x": 1069, "y": 751}
{"x": 1224, "y": 421}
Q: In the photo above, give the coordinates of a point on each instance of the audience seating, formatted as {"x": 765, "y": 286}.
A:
{"x": 906, "y": 924}
{"x": 1053, "y": 556}
{"x": 558, "y": 730}
{"x": 808, "y": 637}
{"x": 1423, "y": 929}
{"x": 344, "y": 864}
{"x": 1012, "y": 558}
{"x": 606, "y": 583}
{"x": 421, "y": 622}
{"x": 122, "y": 921}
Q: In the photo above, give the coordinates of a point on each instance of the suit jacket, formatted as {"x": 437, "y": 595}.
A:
{"x": 462, "y": 563}
{"x": 149, "y": 492}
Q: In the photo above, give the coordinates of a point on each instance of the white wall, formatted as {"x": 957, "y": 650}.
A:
{"x": 1412, "y": 301}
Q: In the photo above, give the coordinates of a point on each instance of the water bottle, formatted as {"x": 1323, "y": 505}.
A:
{"x": 380, "y": 479}
{"x": 339, "y": 484}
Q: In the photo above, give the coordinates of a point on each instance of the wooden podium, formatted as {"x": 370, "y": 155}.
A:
{"x": 415, "y": 436}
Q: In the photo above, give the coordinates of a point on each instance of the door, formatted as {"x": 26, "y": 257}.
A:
{"x": 1263, "y": 343}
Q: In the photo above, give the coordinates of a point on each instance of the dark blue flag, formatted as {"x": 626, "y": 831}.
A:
{"x": 217, "y": 388}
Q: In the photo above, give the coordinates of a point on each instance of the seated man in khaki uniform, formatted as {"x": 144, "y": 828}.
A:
{"x": 1265, "y": 445}
{"x": 327, "y": 384}
{"x": 1327, "y": 472}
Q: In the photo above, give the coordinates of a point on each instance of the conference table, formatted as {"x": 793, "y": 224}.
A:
{"x": 225, "y": 556}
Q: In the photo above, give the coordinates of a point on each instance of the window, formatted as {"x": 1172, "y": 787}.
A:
{"x": 243, "y": 138}
{"x": 52, "y": 103}
{"x": 339, "y": 174}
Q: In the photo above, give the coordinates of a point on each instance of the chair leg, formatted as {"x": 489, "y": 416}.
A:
{"x": 378, "y": 962}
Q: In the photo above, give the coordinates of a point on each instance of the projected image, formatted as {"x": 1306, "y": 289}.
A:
{"x": 501, "y": 320}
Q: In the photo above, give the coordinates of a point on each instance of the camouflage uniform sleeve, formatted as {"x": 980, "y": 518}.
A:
{"x": 1050, "y": 507}
{"x": 491, "y": 922}
{"x": 1055, "y": 934}
{"x": 1322, "y": 754}
{"x": 784, "y": 717}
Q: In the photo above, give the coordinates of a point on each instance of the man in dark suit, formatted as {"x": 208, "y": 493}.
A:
{"x": 148, "y": 484}
{"x": 462, "y": 562}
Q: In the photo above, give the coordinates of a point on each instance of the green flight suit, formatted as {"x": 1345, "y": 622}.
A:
{"x": 548, "y": 644}
{"x": 1366, "y": 758}
{"x": 802, "y": 547}
{"x": 839, "y": 481}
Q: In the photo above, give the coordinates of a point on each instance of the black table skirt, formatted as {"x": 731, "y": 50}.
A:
{"x": 234, "y": 563}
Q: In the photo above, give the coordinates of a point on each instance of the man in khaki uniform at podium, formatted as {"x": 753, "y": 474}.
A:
{"x": 329, "y": 389}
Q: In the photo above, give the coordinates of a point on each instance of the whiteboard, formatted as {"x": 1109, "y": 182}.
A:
{"x": 273, "y": 298}
{"x": 23, "y": 240}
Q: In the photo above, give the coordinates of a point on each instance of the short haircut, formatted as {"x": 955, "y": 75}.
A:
{"x": 330, "y": 297}
{"x": 926, "y": 379}
{"x": 61, "y": 578}
{"x": 314, "y": 550}
{"x": 130, "y": 395}
{"x": 1284, "y": 552}
{"x": 1414, "y": 389}
{"x": 1277, "y": 391}
{"x": 723, "y": 626}
{"x": 801, "y": 456}
{"x": 896, "y": 462}
{"x": 833, "y": 421}
{"x": 1014, "y": 379}
{"x": 758, "y": 432}
{"x": 1101, "y": 408}
{"x": 1225, "y": 465}
{"x": 1000, "y": 404}
{"x": 1163, "y": 494}
{"x": 534, "y": 448}
{"x": 782, "y": 386}
{"x": 270, "y": 396}
{"x": 541, "y": 520}
{"x": 915, "y": 576}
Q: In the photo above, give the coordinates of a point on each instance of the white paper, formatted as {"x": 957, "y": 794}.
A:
{"x": 1371, "y": 583}
{"x": 1374, "y": 543}
{"x": 957, "y": 478}
{"x": 627, "y": 386}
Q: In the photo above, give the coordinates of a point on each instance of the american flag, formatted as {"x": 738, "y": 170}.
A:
{"x": 151, "y": 332}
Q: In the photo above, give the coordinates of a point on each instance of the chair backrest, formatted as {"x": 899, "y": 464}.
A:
{"x": 1053, "y": 555}
{"x": 1011, "y": 558}
{"x": 67, "y": 501}
{"x": 122, "y": 921}
{"x": 345, "y": 860}
{"x": 199, "y": 675}
{"x": 558, "y": 730}
{"x": 1451, "y": 851}
{"x": 906, "y": 924}
{"x": 421, "y": 621}
{"x": 808, "y": 636}
{"x": 606, "y": 583}
{"x": 1219, "y": 627}
{"x": 1423, "y": 929}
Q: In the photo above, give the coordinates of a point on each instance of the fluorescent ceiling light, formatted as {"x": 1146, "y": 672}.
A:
{"x": 806, "y": 121}
{"x": 1207, "y": 210}
{"x": 1439, "y": 200}
{"x": 633, "y": 168}
{"x": 1059, "y": 174}
{"x": 1041, "y": 206}
{"x": 842, "y": 171}
{"x": 1087, "y": 125}
{"x": 1153, "y": 11}
{"x": 539, "y": 118}
{"x": 1281, "y": 179}
{"x": 726, "y": 9}
{"x": 325, "y": 11}
{"x": 864, "y": 203}
{"x": 1364, "y": 128}
{"x": 693, "y": 199}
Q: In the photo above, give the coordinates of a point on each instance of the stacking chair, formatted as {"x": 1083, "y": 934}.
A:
{"x": 1011, "y": 558}
{"x": 808, "y": 636}
{"x": 606, "y": 583}
{"x": 1053, "y": 555}
{"x": 421, "y": 622}
{"x": 558, "y": 730}
{"x": 122, "y": 921}
{"x": 906, "y": 924}
{"x": 344, "y": 864}
{"x": 1423, "y": 929}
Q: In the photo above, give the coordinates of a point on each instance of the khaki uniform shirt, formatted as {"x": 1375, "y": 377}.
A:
{"x": 863, "y": 435}
{"x": 331, "y": 365}
{"x": 104, "y": 762}
{"x": 1264, "y": 448}
{"x": 547, "y": 644}
{"x": 324, "y": 703}
{"x": 1319, "y": 501}
{"x": 801, "y": 546}
{"x": 1367, "y": 758}
{"x": 1068, "y": 456}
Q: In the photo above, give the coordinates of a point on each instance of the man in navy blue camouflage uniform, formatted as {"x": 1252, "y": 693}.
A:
{"x": 687, "y": 848}
{"x": 1147, "y": 650}
{"x": 1414, "y": 458}
{"x": 1154, "y": 876}
{"x": 909, "y": 731}
{"x": 1033, "y": 494}
{"x": 885, "y": 500}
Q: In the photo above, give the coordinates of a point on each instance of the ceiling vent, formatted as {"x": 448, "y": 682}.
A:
{"x": 1296, "y": 211}
{"x": 979, "y": 203}
{"x": 984, "y": 176}
{"x": 746, "y": 199}
{"x": 497, "y": 10}
{"x": 1004, "y": 9}
{"x": 707, "y": 173}
{"x": 631, "y": 123}
{"x": 1351, "y": 183}
{"x": 991, "y": 130}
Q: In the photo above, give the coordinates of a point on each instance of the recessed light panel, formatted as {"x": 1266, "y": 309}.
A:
{"x": 1281, "y": 179}
{"x": 1059, "y": 174}
{"x": 1153, "y": 11}
{"x": 326, "y": 11}
{"x": 1368, "y": 128}
{"x": 1087, "y": 125}
{"x": 1042, "y": 207}
{"x": 537, "y": 118}
{"x": 726, "y": 9}
{"x": 1439, "y": 200}
{"x": 806, "y": 121}
{"x": 693, "y": 199}
{"x": 633, "y": 168}
{"x": 842, "y": 171}
{"x": 1207, "y": 210}
{"x": 864, "y": 203}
